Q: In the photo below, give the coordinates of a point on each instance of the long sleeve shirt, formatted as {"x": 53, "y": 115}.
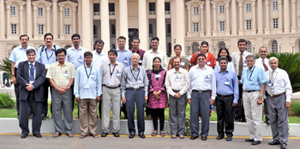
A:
{"x": 177, "y": 80}
{"x": 112, "y": 75}
{"x": 227, "y": 84}
{"x": 148, "y": 59}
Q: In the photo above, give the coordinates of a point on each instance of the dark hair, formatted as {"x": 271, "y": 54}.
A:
{"x": 60, "y": 50}
{"x": 223, "y": 58}
{"x": 121, "y": 37}
{"x": 177, "y": 45}
{"x": 30, "y": 51}
{"x": 154, "y": 38}
{"x": 75, "y": 35}
{"x": 113, "y": 51}
{"x": 48, "y": 34}
{"x": 136, "y": 38}
{"x": 200, "y": 54}
{"x": 229, "y": 59}
{"x": 204, "y": 42}
{"x": 99, "y": 41}
{"x": 87, "y": 53}
{"x": 24, "y": 35}
{"x": 155, "y": 58}
{"x": 241, "y": 40}
{"x": 250, "y": 56}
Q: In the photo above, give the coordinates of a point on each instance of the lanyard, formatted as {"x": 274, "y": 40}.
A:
{"x": 111, "y": 73}
{"x": 249, "y": 78}
{"x": 88, "y": 75}
{"x": 136, "y": 78}
{"x": 47, "y": 54}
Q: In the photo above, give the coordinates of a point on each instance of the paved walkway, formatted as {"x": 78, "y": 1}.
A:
{"x": 15, "y": 142}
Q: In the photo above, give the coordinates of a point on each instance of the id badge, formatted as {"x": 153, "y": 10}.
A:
{"x": 245, "y": 64}
{"x": 87, "y": 86}
{"x": 92, "y": 76}
{"x": 111, "y": 82}
{"x": 207, "y": 78}
{"x": 118, "y": 74}
{"x": 80, "y": 59}
{"x": 177, "y": 79}
{"x": 125, "y": 61}
{"x": 46, "y": 66}
{"x": 135, "y": 86}
{"x": 31, "y": 82}
{"x": 157, "y": 76}
{"x": 140, "y": 61}
{"x": 269, "y": 84}
{"x": 208, "y": 63}
{"x": 66, "y": 74}
{"x": 182, "y": 63}
{"x": 226, "y": 83}
{"x": 272, "y": 89}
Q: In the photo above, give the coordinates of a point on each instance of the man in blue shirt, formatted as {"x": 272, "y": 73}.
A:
{"x": 227, "y": 98}
{"x": 46, "y": 56}
{"x": 253, "y": 80}
{"x": 18, "y": 55}
{"x": 87, "y": 90}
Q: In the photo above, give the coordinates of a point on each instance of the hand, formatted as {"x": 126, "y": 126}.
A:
{"x": 98, "y": 99}
{"x": 212, "y": 101}
{"x": 177, "y": 95}
{"x": 65, "y": 88}
{"x": 14, "y": 79}
{"x": 234, "y": 104}
{"x": 189, "y": 100}
{"x": 60, "y": 90}
{"x": 260, "y": 101}
{"x": 146, "y": 99}
{"x": 124, "y": 100}
{"x": 288, "y": 104}
{"x": 29, "y": 87}
{"x": 78, "y": 99}
{"x": 240, "y": 82}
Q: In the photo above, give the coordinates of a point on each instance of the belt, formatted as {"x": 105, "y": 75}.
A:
{"x": 249, "y": 91}
{"x": 135, "y": 89}
{"x": 111, "y": 87}
{"x": 176, "y": 91}
{"x": 200, "y": 91}
{"x": 279, "y": 94}
{"x": 225, "y": 95}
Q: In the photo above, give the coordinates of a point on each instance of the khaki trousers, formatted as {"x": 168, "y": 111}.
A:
{"x": 88, "y": 116}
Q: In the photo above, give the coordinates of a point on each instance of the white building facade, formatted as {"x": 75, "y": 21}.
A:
{"x": 271, "y": 23}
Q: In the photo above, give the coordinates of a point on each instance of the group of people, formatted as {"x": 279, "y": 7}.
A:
{"x": 125, "y": 80}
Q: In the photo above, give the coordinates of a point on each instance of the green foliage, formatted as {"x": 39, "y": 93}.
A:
{"x": 6, "y": 101}
{"x": 295, "y": 107}
{"x": 6, "y": 67}
{"x": 290, "y": 62}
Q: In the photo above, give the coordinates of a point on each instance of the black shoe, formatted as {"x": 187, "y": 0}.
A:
{"x": 203, "y": 138}
{"x": 23, "y": 136}
{"x": 274, "y": 142}
{"x": 249, "y": 140}
{"x": 255, "y": 143}
{"x": 38, "y": 135}
{"x": 229, "y": 138}
{"x": 283, "y": 146}
{"x": 104, "y": 134}
{"x": 141, "y": 134}
{"x": 131, "y": 135}
{"x": 116, "y": 134}
{"x": 193, "y": 137}
{"x": 220, "y": 137}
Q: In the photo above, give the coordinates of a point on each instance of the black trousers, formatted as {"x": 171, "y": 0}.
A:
{"x": 45, "y": 102}
{"x": 17, "y": 94}
{"x": 225, "y": 115}
{"x": 239, "y": 113}
{"x": 26, "y": 108}
{"x": 158, "y": 113}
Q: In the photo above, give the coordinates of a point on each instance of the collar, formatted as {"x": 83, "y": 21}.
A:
{"x": 73, "y": 48}
{"x": 97, "y": 52}
{"x": 116, "y": 63}
{"x": 179, "y": 71}
{"x": 205, "y": 67}
{"x": 252, "y": 68}
{"x": 87, "y": 66}
{"x": 151, "y": 51}
{"x": 138, "y": 51}
{"x": 32, "y": 63}
{"x": 57, "y": 63}
{"x": 21, "y": 48}
{"x": 45, "y": 48}
{"x": 131, "y": 67}
{"x": 222, "y": 72}
{"x": 125, "y": 50}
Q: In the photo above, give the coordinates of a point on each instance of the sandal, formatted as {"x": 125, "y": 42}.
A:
{"x": 70, "y": 135}
{"x": 154, "y": 133}
{"x": 82, "y": 136}
{"x": 95, "y": 135}
{"x": 162, "y": 134}
{"x": 56, "y": 134}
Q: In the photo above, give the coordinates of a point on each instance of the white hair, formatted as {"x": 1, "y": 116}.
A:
{"x": 135, "y": 54}
{"x": 273, "y": 58}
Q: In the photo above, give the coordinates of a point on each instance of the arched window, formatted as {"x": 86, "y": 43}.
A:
{"x": 249, "y": 46}
{"x": 274, "y": 46}
{"x": 150, "y": 30}
{"x": 195, "y": 47}
{"x": 222, "y": 45}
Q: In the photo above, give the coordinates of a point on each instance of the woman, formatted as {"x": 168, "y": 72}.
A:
{"x": 157, "y": 95}
{"x": 184, "y": 61}
{"x": 223, "y": 52}
{"x": 210, "y": 58}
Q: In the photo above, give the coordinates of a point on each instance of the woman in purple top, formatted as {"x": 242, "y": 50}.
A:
{"x": 158, "y": 100}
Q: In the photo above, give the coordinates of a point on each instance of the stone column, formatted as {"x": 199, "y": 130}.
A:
{"x": 35, "y": 26}
{"x": 227, "y": 28}
{"x": 143, "y": 25}
{"x": 189, "y": 19}
{"x": 294, "y": 14}
{"x": 286, "y": 16}
{"x": 55, "y": 20}
{"x": 123, "y": 16}
{"x": 105, "y": 29}
{"x": 2, "y": 20}
{"x": 267, "y": 29}
{"x": 214, "y": 18}
{"x": 8, "y": 25}
{"x": 87, "y": 29}
{"x": 21, "y": 20}
{"x": 241, "y": 28}
{"x": 234, "y": 18}
{"x": 74, "y": 19}
{"x": 61, "y": 22}
{"x": 260, "y": 17}
{"x": 253, "y": 17}
{"x": 80, "y": 16}
{"x": 180, "y": 24}
{"x": 201, "y": 19}
{"x": 161, "y": 25}
{"x": 29, "y": 18}
{"x": 48, "y": 19}
{"x": 280, "y": 19}
{"x": 208, "y": 18}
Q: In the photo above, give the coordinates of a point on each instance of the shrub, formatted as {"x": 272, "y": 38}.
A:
{"x": 295, "y": 108}
{"x": 5, "y": 101}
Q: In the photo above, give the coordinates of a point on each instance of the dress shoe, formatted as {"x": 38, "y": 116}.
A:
{"x": 131, "y": 135}
{"x": 255, "y": 143}
{"x": 283, "y": 146}
{"x": 249, "y": 140}
{"x": 173, "y": 136}
{"x": 104, "y": 134}
{"x": 203, "y": 138}
{"x": 220, "y": 137}
{"x": 116, "y": 134}
{"x": 23, "y": 136}
{"x": 274, "y": 142}
{"x": 229, "y": 138}
{"x": 141, "y": 134}
{"x": 193, "y": 137}
{"x": 181, "y": 136}
{"x": 38, "y": 135}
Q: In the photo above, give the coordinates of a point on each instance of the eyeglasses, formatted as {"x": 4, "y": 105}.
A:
{"x": 201, "y": 59}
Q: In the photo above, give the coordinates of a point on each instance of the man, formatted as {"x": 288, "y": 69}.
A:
{"x": 263, "y": 62}
{"x": 124, "y": 55}
{"x": 154, "y": 52}
{"x": 61, "y": 77}
{"x": 203, "y": 92}
{"x": 31, "y": 76}
{"x": 227, "y": 98}
{"x": 18, "y": 55}
{"x": 87, "y": 90}
{"x": 111, "y": 73}
{"x": 253, "y": 80}
{"x": 177, "y": 84}
{"x": 279, "y": 101}
{"x": 135, "y": 91}
{"x": 99, "y": 58}
{"x": 46, "y": 56}
{"x": 238, "y": 61}
{"x": 136, "y": 49}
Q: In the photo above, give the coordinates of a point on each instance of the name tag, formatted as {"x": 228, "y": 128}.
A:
{"x": 182, "y": 63}
{"x": 270, "y": 84}
{"x": 141, "y": 61}
{"x": 87, "y": 86}
{"x": 177, "y": 79}
{"x": 207, "y": 78}
{"x": 125, "y": 61}
{"x": 208, "y": 63}
{"x": 157, "y": 76}
{"x": 245, "y": 64}
{"x": 92, "y": 76}
{"x": 80, "y": 59}
{"x": 226, "y": 83}
{"x": 66, "y": 74}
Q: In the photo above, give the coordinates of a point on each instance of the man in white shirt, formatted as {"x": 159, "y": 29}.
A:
{"x": 99, "y": 56}
{"x": 154, "y": 52}
{"x": 279, "y": 101}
